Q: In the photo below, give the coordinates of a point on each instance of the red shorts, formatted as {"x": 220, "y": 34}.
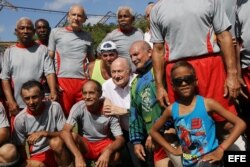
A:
{"x": 211, "y": 78}
{"x": 246, "y": 77}
{"x": 46, "y": 158}
{"x": 96, "y": 148}
{"x": 159, "y": 154}
{"x": 72, "y": 92}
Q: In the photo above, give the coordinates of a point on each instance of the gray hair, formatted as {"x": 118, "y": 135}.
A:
{"x": 131, "y": 11}
{"x": 126, "y": 60}
{"x": 22, "y": 19}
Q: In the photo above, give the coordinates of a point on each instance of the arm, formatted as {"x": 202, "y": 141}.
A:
{"x": 12, "y": 104}
{"x": 155, "y": 133}
{"x": 90, "y": 68}
{"x": 158, "y": 65}
{"x": 36, "y": 136}
{"x": 239, "y": 127}
{"x": 66, "y": 135}
{"x": 104, "y": 158}
{"x": 5, "y": 134}
{"x": 232, "y": 85}
{"x": 111, "y": 109}
{"x": 51, "y": 79}
{"x": 52, "y": 54}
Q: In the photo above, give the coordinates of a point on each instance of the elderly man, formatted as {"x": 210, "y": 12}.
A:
{"x": 35, "y": 125}
{"x": 95, "y": 143}
{"x": 144, "y": 109}
{"x": 8, "y": 152}
{"x": 125, "y": 34}
{"x": 71, "y": 48}
{"x": 117, "y": 90}
{"x": 25, "y": 61}
{"x": 99, "y": 70}
{"x": 42, "y": 31}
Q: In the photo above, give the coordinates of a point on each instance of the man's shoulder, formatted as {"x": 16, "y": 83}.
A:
{"x": 108, "y": 84}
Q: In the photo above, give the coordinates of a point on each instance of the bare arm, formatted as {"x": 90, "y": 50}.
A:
{"x": 239, "y": 127}
{"x": 12, "y": 104}
{"x": 36, "y": 136}
{"x": 90, "y": 68}
{"x": 239, "y": 124}
{"x": 158, "y": 65}
{"x": 232, "y": 85}
{"x": 5, "y": 134}
{"x": 155, "y": 134}
{"x": 104, "y": 158}
{"x": 66, "y": 135}
{"x": 51, "y": 79}
{"x": 52, "y": 54}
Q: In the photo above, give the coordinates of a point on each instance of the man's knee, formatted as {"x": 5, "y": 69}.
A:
{"x": 9, "y": 153}
{"x": 56, "y": 144}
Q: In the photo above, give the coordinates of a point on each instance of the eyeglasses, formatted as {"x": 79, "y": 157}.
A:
{"x": 188, "y": 79}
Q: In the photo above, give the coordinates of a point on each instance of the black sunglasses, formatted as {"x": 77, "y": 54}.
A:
{"x": 188, "y": 79}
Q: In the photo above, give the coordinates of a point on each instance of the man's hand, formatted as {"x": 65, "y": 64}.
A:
{"x": 162, "y": 97}
{"x": 35, "y": 137}
{"x": 176, "y": 151}
{"x": 232, "y": 86}
{"x": 53, "y": 96}
{"x": 79, "y": 162}
{"x": 109, "y": 109}
{"x": 139, "y": 151}
{"x": 13, "y": 108}
{"x": 103, "y": 160}
{"x": 149, "y": 144}
{"x": 243, "y": 85}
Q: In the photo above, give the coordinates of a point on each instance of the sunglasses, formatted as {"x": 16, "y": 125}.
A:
{"x": 188, "y": 79}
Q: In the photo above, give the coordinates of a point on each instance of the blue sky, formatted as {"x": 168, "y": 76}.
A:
{"x": 9, "y": 17}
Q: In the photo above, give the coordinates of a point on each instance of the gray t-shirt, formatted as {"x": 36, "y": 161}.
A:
{"x": 243, "y": 30}
{"x": 3, "y": 118}
{"x": 123, "y": 41}
{"x": 188, "y": 26}
{"x": 24, "y": 64}
{"x": 51, "y": 119}
{"x": 94, "y": 127}
{"x": 71, "y": 49}
{"x": 230, "y": 8}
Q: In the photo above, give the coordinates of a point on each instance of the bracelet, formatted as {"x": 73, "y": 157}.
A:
{"x": 220, "y": 146}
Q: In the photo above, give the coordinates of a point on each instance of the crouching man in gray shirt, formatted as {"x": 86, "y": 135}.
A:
{"x": 95, "y": 143}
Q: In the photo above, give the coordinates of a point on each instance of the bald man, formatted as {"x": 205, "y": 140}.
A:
{"x": 144, "y": 108}
{"x": 37, "y": 63}
{"x": 71, "y": 48}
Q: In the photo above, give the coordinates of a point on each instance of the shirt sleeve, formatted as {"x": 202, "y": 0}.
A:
{"x": 60, "y": 118}
{"x": 75, "y": 112}
{"x": 155, "y": 28}
{"x": 19, "y": 134}
{"x": 219, "y": 17}
{"x": 136, "y": 128}
{"x": 52, "y": 43}
{"x": 5, "y": 73}
{"x": 48, "y": 64}
{"x": 115, "y": 126}
{"x": 3, "y": 118}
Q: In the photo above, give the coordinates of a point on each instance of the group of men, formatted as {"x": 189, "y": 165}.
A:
{"x": 116, "y": 99}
